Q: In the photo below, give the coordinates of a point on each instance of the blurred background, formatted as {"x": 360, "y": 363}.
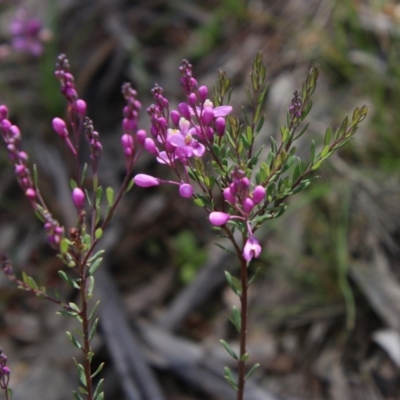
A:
{"x": 325, "y": 309}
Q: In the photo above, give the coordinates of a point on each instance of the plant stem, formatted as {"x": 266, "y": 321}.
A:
{"x": 243, "y": 328}
{"x": 85, "y": 330}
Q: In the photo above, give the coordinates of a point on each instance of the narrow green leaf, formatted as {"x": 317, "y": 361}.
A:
{"x": 234, "y": 283}
{"x": 35, "y": 175}
{"x": 94, "y": 310}
{"x": 251, "y": 372}
{"x": 98, "y": 370}
{"x": 230, "y": 378}
{"x": 82, "y": 377}
{"x": 235, "y": 318}
{"x": 77, "y": 396}
{"x": 90, "y": 287}
{"x": 67, "y": 313}
{"x": 95, "y": 256}
{"x": 93, "y": 329}
{"x": 229, "y": 349}
{"x": 93, "y": 268}
{"x": 74, "y": 307}
{"x": 97, "y": 392}
{"x": 130, "y": 186}
{"x": 110, "y": 196}
{"x": 73, "y": 340}
{"x": 99, "y": 195}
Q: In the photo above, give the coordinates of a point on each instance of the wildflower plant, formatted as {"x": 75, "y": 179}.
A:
{"x": 215, "y": 161}
{"x": 76, "y": 246}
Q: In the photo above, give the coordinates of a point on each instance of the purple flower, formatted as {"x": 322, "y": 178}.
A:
{"x": 252, "y": 248}
{"x": 219, "y": 218}
{"x": 26, "y": 33}
{"x": 183, "y": 140}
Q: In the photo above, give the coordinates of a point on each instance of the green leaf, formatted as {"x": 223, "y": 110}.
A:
{"x": 73, "y": 340}
{"x": 98, "y": 391}
{"x": 67, "y": 279}
{"x": 74, "y": 307}
{"x": 251, "y": 372}
{"x": 98, "y": 370}
{"x": 93, "y": 329}
{"x": 99, "y": 196}
{"x": 94, "y": 310}
{"x": 229, "y": 349}
{"x": 230, "y": 378}
{"x": 83, "y": 176}
{"x": 130, "y": 186}
{"x": 234, "y": 283}
{"x": 77, "y": 396}
{"x": 235, "y": 318}
{"x": 82, "y": 376}
{"x": 67, "y": 313}
{"x": 110, "y": 196}
{"x": 73, "y": 184}
{"x": 90, "y": 287}
{"x": 99, "y": 232}
{"x": 35, "y": 176}
{"x": 29, "y": 281}
{"x": 93, "y": 268}
{"x": 64, "y": 245}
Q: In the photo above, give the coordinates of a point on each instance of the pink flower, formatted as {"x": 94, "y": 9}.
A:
{"x": 182, "y": 139}
{"x": 252, "y": 248}
{"x": 26, "y": 33}
{"x": 219, "y": 218}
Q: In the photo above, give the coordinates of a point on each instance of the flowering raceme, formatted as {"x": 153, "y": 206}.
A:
{"x": 181, "y": 138}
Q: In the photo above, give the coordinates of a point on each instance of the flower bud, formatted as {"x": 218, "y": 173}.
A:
{"x": 3, "y": 112}
{"x": 81, "y": 107}
{"x": 258, "y": 194}
{"x": 78, "y": 197}
{"x": 141, "y": 136}
{"x": 192, "y": 99}
{"x": 60, "y": 127}
{"x": 203, "y": 92}
{"x": 144, "y": 180}
{"x": 30, "y": 194}
{"x": 248, "y": 205}
{"x": 219, "y": 218}
{"x": 220, "y": 124}
{"x": 207, "y": 116}
{"x": 175, "y": 117}
{"x": 186, "y": 190}
{"x": 184, "y": 110}
{"x": 228, "y": 195}
{"x": 150, "y": 146}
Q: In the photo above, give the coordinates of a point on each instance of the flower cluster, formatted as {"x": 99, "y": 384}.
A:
{"x": 132, "y": 136}
{"x": 179, "y": 137}
{"x": 27, "y": 33}
{"x": 12, "y": 138}
{"x": 4, "y": 371}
